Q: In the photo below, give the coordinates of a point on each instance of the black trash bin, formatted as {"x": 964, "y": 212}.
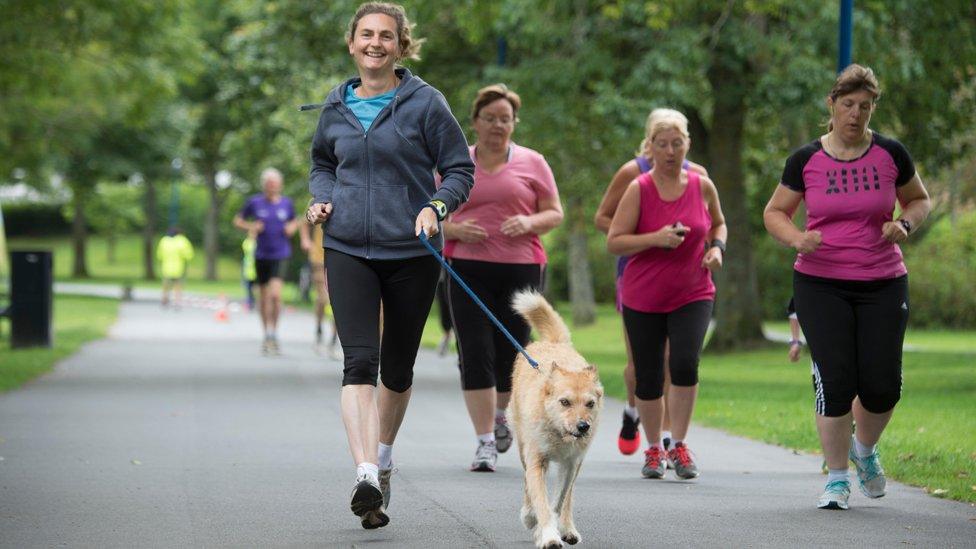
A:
{"x": 31, "y": 299}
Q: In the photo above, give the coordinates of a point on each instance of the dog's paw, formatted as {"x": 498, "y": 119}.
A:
{"x": 571, "y": 536}
{"x": 528, "y": 518}
{"x": 548, "y": 538}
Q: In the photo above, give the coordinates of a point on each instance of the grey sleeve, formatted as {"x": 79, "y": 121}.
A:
{"x": 447, "y": 144}
{"x": 322, "y": 176}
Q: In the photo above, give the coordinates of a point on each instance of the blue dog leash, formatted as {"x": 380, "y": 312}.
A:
{"x": 454, "y": 275}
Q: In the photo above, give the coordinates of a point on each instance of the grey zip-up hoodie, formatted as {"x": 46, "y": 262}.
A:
{"x": 378, "y": 180}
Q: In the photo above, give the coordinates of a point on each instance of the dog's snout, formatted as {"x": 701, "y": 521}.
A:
{"x": 583, "y": 426}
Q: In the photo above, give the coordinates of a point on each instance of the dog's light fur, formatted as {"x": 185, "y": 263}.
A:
{"x": 548, "y": 408}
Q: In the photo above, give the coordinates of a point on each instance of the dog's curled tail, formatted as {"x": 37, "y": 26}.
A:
{"x": 541, "y": 316}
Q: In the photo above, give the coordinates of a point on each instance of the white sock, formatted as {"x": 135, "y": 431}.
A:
{"x": 487, "y": 437}
{"x": 500, "y": 415}
{"x": 862, "y": 450}
{"x": 836, "y": 474}
{"x": 386, "y": 456}
{"x": 369, "y": 470}
{"x": 666, "y": 434}
{"x": 632, "y": 412}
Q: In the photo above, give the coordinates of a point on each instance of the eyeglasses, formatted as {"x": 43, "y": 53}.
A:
{"x": 490, "y": 120}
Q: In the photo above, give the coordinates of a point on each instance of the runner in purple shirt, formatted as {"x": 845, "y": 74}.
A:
{"x": 273, "y": 217}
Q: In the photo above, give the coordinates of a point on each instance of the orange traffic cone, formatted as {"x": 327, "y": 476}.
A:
{"x": 221, "y": 314}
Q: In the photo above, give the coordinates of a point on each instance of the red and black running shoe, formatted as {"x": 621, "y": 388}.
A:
{"x": 629, "y": 440}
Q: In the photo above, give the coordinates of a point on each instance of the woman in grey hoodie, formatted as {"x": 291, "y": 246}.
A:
{"x": 380, "y": 139}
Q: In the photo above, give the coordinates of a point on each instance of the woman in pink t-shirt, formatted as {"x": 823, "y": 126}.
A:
{"x": 670, "y": 222}
{"x": 850, "y": 284}
{"x": 493, "y": 243}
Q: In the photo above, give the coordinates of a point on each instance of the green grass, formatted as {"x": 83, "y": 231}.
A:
{"x": 77, "y": 320}
{"x": 947, "y": 341}
{"x": 930, "y": 442}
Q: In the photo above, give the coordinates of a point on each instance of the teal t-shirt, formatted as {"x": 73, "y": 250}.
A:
{"x": 367, "y": 109}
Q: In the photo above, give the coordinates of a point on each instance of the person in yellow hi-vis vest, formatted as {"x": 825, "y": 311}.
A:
{"x": 249, "y": 270}
{"x": 174, "y": 251}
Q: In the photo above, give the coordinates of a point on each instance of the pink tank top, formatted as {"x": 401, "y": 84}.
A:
{"x": 660, "y": 280}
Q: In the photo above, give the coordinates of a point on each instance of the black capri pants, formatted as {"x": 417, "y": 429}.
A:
{"x": 648, "y": 333}
{"x": 485, "y": 356}
{"x": 406, "y": 288}
{"x": 855, "y": 330}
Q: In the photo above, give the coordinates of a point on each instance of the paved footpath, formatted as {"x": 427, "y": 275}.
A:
{"x": 175, "y": 432}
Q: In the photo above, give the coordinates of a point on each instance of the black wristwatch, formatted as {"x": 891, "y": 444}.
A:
{"x": 906, "y": 224}
{"x": 717, "y": 243}
{"x": 440, "y": 209}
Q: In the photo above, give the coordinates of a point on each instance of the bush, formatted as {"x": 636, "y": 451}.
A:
{"x": 941, "y": 269}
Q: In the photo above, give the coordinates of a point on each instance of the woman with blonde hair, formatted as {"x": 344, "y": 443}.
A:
{"x": 629, "y": 439}
{"x": 670, "y": 222}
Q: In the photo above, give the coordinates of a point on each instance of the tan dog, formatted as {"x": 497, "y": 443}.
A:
{"x": 554, "y": 411}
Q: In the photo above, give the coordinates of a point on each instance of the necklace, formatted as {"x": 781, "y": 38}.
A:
{"x": 835, "y": 151}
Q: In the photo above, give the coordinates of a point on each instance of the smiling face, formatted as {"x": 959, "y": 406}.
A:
{"x": 495, "y": 122}
{"x": 374, "y": 44}
{"x": 669, "y": 148}
{"x": 851, "y": 114}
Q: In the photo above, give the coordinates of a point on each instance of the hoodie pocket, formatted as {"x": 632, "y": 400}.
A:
{"x": 348, "y": 220}
{"x": 391, "y": 215}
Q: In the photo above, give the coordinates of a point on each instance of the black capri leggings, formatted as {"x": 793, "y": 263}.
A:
{"x": 855, "y": 329}
{"x": 648, "y": 332}
{"x": 485, "y": 355}
{"x": 356, "y": 286}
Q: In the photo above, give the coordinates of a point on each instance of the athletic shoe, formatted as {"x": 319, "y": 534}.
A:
{"x": 366, "y": 502}
{"x": 485, "y": 457}
{"x": 835, "y": 495}
{"x": 870, "y": 475}
{"x": 666, "y": 442}
{"x": 654, "y": 458}
{"x": 503, "y": 435}
{"x": 273, "y": 348}
{"x": 266, "y": 347}
{"x": 683, "y": 460}
{"x": 385, "y": 475}
{"x": 629, "y": 440}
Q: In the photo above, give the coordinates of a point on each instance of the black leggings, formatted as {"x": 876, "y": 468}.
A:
{"x": 648, "y": 333}
{"x": 356, "y": 286}
{"x": 485, "y": 355}
{"x": 855, "y": 329}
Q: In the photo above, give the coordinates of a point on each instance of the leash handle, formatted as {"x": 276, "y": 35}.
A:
{"x": 454, "y": 275}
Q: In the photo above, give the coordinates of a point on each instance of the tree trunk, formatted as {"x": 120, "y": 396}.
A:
{"x": 580, "y": 276}
{"x": 210, "y": 240}
{"x": 738, "y": 313}
{"x": 79, "y": 233}
{"x": 149, "y": 231}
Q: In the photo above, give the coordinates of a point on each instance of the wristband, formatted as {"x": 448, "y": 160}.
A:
{"x": 905, "y": 224}
{"x": 439, "y": 207}
{"x": 717, "y": 243}
{"x": 796, "y": 342}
